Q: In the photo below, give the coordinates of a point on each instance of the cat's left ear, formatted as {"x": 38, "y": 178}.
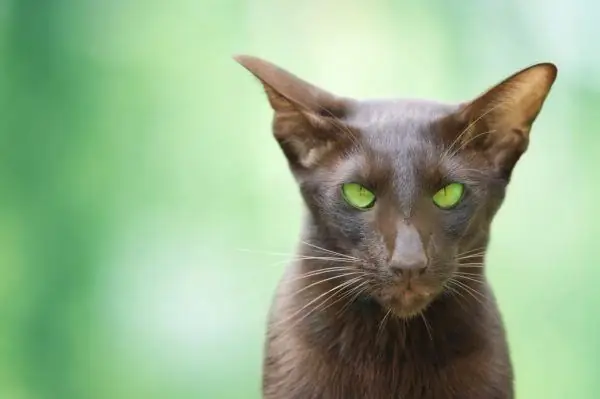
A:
{"x": 307, "y": 121}
{"x": 498, "y": 122}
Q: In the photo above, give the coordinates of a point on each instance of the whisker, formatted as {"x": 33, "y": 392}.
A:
{"x": 466, "y": 130}
{"x": 345, "y": 129}
{"x": 287, "y": 261}
{"x": 321, "y": 271}
{"x": 475, "y": 255}
{"x": 356, "y": 290}
{"x": 329, "y": 292}
{"x": 469, "y": 278}
{"x": 471, "y": 292}
{"x": 459, "y": 273}
{"x": 427, "y": 326}
{"x": 470, "y": 170}
{"x": 339, "y": 289}
{"x": 293, "y": 256}
{"x": 472, "y": 265}
{"x": 471, "y": 289}
{"x": 472, "y": 250}
{"x": 325, "y": 280}
{"x": 457, "y": 284}
{"x": 382, "y": 324}
{"x": 329, "y": 251}
{"x": 473, "y": 259}
{"x": 464, "y": 144}
{"x": 459, "y": 296}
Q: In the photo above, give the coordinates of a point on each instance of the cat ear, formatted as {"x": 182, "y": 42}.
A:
{"x": 307, "y": 121}
{"x": 498, "y": 122}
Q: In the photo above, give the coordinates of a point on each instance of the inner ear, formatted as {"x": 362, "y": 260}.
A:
{"x": 308, "y": 140}
{"x": 497, "y": 124}
{"x": 308, "y": 121}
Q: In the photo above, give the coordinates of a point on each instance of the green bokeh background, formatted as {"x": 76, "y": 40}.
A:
{"x": 136, "y": 163}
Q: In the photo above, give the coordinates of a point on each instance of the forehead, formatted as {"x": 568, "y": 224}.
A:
{"x": 402, "y": 134}
{"x": 398, "y": 126}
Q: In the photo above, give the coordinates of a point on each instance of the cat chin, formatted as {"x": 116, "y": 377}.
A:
{"x": 406, "y": 311}
{"x": 406, "y": 305}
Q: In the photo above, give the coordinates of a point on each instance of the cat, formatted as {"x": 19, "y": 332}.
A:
{"x": 388, "y": 297}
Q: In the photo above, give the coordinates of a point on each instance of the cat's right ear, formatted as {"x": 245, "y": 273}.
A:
{"x": 497, "y": 123}
{"x": 307, "y": 121}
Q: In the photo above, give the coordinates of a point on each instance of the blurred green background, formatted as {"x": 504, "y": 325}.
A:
{"x": 136, "y": 162}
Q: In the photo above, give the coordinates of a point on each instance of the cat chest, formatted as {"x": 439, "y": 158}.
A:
{"x": 398, "y": 377}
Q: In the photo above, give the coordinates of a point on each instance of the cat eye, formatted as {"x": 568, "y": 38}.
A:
{"x": 449, "y": 196}
{"x": 358, "y": 196}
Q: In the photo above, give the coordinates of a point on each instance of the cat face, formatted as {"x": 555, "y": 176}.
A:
{"x": 404, "y": 202}
{"x": 406, "y": 188}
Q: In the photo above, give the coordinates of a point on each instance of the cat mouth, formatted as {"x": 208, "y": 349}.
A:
{"x": 407, "y": 302}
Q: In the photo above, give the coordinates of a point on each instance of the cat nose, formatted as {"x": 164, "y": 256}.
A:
{"x": 409, "y": 267}
{"x": 409, "y": 257}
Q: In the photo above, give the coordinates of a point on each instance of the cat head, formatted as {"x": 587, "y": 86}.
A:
{"x": 408, "y": 188}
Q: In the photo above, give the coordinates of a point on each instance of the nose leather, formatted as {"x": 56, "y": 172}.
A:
{"x": 409, "y": 256}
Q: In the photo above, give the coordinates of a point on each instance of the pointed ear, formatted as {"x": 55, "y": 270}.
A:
{"x": 307, "y": 121}
{"x": 498, "y": 122}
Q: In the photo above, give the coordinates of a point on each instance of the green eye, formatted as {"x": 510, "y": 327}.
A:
{"x": 449, "y": 196}
{"x": 358, "y": 196}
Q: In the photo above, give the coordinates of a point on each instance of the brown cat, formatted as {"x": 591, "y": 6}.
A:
{"x": 389, "y": 297}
